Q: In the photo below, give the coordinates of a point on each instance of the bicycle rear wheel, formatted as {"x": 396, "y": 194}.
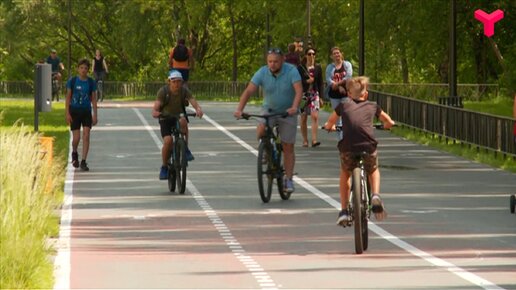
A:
{"x": 181, "y": 165}
{"x": 357, "y": 210}
{"x": 264, "y": 171}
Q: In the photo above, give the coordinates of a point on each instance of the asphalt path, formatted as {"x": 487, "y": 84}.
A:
{"x": 449, "y": 225}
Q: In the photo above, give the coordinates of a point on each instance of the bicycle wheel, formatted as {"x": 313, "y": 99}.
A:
{"x": 100, "y": 91}
{"x": 280, "y": 177}
{"x": 171, "y": 177}
{"x": 264, "y": 171}
{"x": 357, "y": 210}
{"x": 365, "y": 213}
{"x": 513, "y": 203}
{"x": 180, "y": 166}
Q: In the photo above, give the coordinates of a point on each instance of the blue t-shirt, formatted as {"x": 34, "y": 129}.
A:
{"x": 278, "y": 90}
{"x": 80, "y": 96}
{"x": 54, "y": 62}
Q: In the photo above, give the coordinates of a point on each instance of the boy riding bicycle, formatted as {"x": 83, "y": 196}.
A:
{"x": 357, "y": 127}
{"x": 171, "y": 101}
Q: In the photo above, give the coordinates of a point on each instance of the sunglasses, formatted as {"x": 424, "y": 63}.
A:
{"x": 311, "y": 53}
{"x": 275, "y": 51}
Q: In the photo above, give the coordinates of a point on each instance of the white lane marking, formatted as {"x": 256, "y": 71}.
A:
{"x": 62, "y": 267}
{"x": 265, "y": 281}
{"x": 470, "y": 277}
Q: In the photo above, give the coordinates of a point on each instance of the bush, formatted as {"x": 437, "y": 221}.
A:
{"x": 26, "y": 211}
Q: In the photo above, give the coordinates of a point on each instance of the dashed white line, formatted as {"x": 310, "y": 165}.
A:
{"x": 224, "y": 232}
{"x": 470, "y": 277}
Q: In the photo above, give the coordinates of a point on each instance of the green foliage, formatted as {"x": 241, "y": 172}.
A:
{"x": 31, "y": 190}
{"x": 229, "y": 37}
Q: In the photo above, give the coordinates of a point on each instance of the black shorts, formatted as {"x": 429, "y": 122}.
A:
{"x": 80, "y": 117}
{"x": 166, "y": 126}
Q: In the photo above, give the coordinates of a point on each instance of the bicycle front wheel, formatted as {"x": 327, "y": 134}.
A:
{"x": 280, "y": 174}
{"x": 171, "y": 177}
{"x": 264, "y": 171}
{"x": 357, "y": 210}
{"x": 180, "y": 165}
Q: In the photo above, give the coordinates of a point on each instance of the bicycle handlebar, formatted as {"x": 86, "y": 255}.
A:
{"x": 161, "y": 116}
{"x": 378, "y": 126}
{"x": 247, "y": 116}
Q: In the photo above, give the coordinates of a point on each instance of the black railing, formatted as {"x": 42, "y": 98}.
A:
{"x": 484, "y": 131}
{"x": 113, "y": 89}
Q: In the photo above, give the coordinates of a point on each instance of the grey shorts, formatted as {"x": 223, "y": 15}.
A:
{"x": 287, "y": 127}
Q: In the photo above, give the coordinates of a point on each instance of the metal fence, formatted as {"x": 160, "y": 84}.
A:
{"x": 148, "y": 90}
{"x": 432, "y": 92}
{"x": 484, "y": 131}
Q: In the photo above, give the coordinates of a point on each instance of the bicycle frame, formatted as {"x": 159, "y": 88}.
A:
{"x": 178, "y": 161}
{"x": 270, "y": 150}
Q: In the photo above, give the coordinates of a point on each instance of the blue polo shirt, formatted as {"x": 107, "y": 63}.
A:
{"x": 278, "y": 90}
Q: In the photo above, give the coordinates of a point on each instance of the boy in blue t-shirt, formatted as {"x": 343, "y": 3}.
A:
{"x": 81, "y": 110}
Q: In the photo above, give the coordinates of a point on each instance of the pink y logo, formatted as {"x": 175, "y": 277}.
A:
{"x": 488, "y": 20}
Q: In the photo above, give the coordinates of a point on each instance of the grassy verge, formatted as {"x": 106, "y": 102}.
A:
{"x": 456, "y": 148}
{"x": 31, "y": 192}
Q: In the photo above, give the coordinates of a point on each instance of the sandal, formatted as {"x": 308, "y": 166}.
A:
{"x": 316, "y": 144}
{"x": 305, "y": 144}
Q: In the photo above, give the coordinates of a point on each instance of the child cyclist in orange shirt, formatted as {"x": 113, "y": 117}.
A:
{"x": 357, "y": 116}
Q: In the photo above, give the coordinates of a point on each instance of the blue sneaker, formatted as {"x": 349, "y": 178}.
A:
{"x": 289, "y": 185}
{"x": 163, "y": 173}
{"x": 189, "y": 155}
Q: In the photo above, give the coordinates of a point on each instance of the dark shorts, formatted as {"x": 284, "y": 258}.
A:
{"x": 80, "y": 117}
{"x": 99, "y": 75}
{"x": 348, "y": 162}
{"x": 184, "y": 72}
{"x": 166, "y": 126}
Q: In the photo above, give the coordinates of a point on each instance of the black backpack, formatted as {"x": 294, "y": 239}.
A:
{"x": 180, "y": 53}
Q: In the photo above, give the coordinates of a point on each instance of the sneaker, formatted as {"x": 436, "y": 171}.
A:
{"x": 163, "y": 173}
{"x": 75, "y": 159}
{"x": 84, "y": 166}
{"x": 377, "y": 204}
{"x": 289, "y": 185}
{"x": 343, "y": 218}
{"x": 189, "y": 155}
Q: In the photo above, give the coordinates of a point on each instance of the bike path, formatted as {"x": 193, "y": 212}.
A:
{"x": 128, "y": 231}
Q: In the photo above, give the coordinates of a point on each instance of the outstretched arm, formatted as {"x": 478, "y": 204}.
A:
{"x": 386, "y": 120}
{"x": 332, "y": 120}
{"x": 197, "y": 107}
{"x": 248, "y": 92}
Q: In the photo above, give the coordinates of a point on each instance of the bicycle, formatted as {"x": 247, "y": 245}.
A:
{"x": 359, "y": 206}
{"x": 100, "y": 90}
{"x": 270, "y": 162}
{"x": 56, "y": 86}
{"x": 178, "y": 162}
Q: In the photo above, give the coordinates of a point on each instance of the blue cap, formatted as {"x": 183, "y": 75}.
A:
{"x": 174, "y": 75}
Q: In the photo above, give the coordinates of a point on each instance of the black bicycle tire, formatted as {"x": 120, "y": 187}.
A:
{"x": 280, "y": 175}
{"x": 265, "y": 193}
{"x": 171, "y": 177}
{"x": 513, "y": 203}
{"x": 181, "y": 165}
{"x": 365, "y": 214}
{"x": 357, "y": 211}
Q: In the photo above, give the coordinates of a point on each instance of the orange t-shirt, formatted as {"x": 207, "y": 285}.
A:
{"x": 180, "y": 64}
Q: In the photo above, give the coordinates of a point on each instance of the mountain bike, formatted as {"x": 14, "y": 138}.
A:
{"x": 56, "y": 86}
{"x": 178, "y": 161}
{"x": 270, "y": 162}
{"x": 359, "y": 206}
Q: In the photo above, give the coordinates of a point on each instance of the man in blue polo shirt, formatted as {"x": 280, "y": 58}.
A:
{"x": 282, "y": 91}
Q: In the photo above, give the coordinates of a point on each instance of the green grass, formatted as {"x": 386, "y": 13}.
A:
{"x": 456, "y": 148}
{"x": 28, "y": 201}
{"x": 497, "y": 106}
